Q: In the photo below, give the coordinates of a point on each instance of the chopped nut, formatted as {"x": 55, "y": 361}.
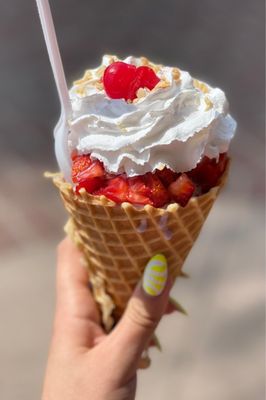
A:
{"x": 156, "y": 67}
{"x": 160, "y": 166}
{"x": 163, "y": 84}
{"x": 87, "y": 76}
{"x": 176, "y": 74}
{"x": 122, "y": 127}
{"x": 141, "y": 93}
{"x": 209, "y": 104}
{"x": 111, "y": 58}
{"x": 98, "y": 85}
{"x": 81, "y": 91}
{"x": 201, "y": 86}
{"x": 99, "y": 72}
{"x": 144, "y": 61}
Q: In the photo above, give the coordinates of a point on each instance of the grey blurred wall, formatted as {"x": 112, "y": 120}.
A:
{"x": 222, "y": 41}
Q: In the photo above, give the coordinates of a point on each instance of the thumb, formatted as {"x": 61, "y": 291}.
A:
{"x": 143, "y": 312}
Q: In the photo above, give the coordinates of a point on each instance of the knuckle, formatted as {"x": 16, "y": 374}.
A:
{"x": 141, "y": 316}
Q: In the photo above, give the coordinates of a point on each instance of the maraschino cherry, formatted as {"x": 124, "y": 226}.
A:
{"x": 122, "y": 80}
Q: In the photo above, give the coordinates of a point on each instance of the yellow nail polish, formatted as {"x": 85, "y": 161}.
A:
{"x": 155, "y": 275}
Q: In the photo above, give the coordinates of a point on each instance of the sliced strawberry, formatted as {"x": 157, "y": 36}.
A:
{"x": 95, "y": 170}
{"x": 80, "y": 164}
{"x": 138, "y": 192}
{"x": 90, "y": 185}
{"x": 84, "y": 168}
{"x": 166, "y": 175}
{"x": 205, "y": 174}
{"x": 208, "y": 171}
{"x": 222, "y": 163}
{"x": 159, "y": 195}
{"x": 182, "y": 189}
{"x": 116, "y": 190}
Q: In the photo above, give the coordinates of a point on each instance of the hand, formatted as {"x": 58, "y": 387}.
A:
{"x": 84, "y": 362}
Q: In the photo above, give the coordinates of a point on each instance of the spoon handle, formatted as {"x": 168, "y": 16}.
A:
{"x": 54, "y": 55}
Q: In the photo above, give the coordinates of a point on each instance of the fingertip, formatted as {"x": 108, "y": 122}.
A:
{"x": 155, "y": 275}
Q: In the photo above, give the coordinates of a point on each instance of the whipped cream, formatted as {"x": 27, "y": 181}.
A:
{"x": 173, "y": 125}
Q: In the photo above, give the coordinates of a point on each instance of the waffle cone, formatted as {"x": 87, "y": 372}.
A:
{"x": 117, "y": 241}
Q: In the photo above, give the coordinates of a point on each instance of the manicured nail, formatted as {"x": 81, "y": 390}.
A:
{"x": 155, "y": 275}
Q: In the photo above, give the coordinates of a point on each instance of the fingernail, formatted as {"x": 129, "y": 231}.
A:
{"x": 155, "y": 275}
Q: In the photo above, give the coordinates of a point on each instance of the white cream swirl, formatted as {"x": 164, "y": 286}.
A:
{"x": 174, "y": 125}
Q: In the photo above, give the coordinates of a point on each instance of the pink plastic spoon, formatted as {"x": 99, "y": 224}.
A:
{"x": 61, "y": 130}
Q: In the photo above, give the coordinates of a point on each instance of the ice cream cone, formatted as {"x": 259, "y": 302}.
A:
{"x": 117, "y": 241}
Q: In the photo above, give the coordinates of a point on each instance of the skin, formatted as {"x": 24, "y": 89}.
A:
{"x": 84, "y": 362}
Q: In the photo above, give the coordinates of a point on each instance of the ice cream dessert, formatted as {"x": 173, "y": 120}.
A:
{"x": 147, "y": 134}
{"x": 147, "y": 149}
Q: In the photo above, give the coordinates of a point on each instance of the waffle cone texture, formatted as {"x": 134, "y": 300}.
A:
{"x": 117, "y": 241}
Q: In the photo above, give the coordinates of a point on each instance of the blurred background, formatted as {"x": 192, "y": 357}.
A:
{"x": 218, "y": 351}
